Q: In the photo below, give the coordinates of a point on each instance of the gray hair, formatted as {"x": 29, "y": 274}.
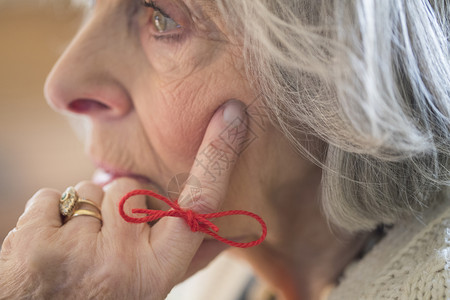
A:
{"x": 371, "y": 79}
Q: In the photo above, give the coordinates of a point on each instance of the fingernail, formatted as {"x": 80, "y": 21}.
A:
{"x": 233, "y": 112}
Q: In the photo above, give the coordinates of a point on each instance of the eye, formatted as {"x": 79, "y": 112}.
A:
{"x": 162, "y": 22}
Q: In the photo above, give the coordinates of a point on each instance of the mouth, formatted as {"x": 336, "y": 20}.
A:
{"x": 208, "y": 249}
{"x": 104, "y": 175}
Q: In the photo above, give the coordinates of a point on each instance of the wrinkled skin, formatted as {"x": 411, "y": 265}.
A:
{"x": 146, "y": 103}
{"x": 146, "y": 99}
{"x": 43, "y": 258}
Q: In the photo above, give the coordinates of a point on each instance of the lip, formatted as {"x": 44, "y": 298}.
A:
{"x": 103, "y": 176}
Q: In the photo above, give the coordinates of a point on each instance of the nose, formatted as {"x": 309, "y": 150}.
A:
{"x": 85, "y": 81}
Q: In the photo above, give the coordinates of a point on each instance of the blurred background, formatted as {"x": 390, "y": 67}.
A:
{"x": 37, "y": 146}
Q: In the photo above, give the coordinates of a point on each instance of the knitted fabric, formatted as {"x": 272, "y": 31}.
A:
{"x": 411, "y": 262}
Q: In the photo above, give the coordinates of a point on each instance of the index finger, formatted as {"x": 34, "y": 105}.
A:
{"x": 224, "y": 140}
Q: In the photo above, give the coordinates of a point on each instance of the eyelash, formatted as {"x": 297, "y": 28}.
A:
{"x": 152, "y": 4}
{"x": 173, "y": 37}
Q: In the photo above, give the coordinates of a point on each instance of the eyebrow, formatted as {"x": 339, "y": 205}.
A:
{"x": 209, "y": 6}
{"x": 201, "y": 8}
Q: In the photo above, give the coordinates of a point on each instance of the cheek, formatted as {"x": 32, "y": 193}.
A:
{"x": 176, "y": 120}
{"x": 181, "y": 130}
{"x": 175, "y": 60}
{"x": 180, "y": 95}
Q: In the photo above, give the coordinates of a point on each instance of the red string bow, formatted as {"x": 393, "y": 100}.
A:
{"x": 197, "y": 222}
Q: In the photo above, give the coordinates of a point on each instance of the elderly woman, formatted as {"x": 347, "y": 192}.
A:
{"x": 330, "y": 120}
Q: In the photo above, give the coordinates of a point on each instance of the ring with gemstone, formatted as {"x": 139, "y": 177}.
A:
{"x": 70, "y": 202}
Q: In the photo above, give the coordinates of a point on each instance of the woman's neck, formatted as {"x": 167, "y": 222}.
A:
{"x": 305, "y": 266}
{"x": 301, "y": 257}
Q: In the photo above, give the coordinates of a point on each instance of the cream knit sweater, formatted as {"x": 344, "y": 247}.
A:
{"x": 411, "y": 262}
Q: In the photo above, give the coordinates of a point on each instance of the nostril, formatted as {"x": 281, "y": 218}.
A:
{"x": 86, "y": 106}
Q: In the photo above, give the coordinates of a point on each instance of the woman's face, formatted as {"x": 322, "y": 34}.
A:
{"x": 149, "y": 80}
{"x": 145, "y": 83}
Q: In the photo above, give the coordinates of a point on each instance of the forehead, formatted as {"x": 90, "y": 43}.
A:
{"x": 87, "y": 3}
{"x": 202, "y": 11}
{"x": 208, "y": 6}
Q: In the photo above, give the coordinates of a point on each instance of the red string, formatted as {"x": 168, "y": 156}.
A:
{"x": 197, "y": 222}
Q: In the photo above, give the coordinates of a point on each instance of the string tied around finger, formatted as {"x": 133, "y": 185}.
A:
{"x": 196, "y": 222}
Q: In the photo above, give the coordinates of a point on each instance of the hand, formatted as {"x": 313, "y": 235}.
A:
{"x": 44, "y": 258}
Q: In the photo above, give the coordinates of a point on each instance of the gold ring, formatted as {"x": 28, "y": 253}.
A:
{"x": 70, "y": 201}
{"x": 85, "y": 212}
{"x": 89, "y": 202}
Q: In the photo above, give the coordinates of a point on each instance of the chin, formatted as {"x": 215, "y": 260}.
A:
{"x": 208, "y": 250}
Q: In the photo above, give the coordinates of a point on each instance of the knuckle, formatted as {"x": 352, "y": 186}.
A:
{"x": 8, "y": 243}
{"x": 88, "y": 185}
{"x": 117, "y": 190}
{"x": 85, "y": 182}
{"x": 120, "y": 187}
{"x": 38, "y": 204}
{"x": 113, "y": 194}
{"x": 23, "y": 219}
{"x": 40, "y": 195}
{"x": 47, "y": 193}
